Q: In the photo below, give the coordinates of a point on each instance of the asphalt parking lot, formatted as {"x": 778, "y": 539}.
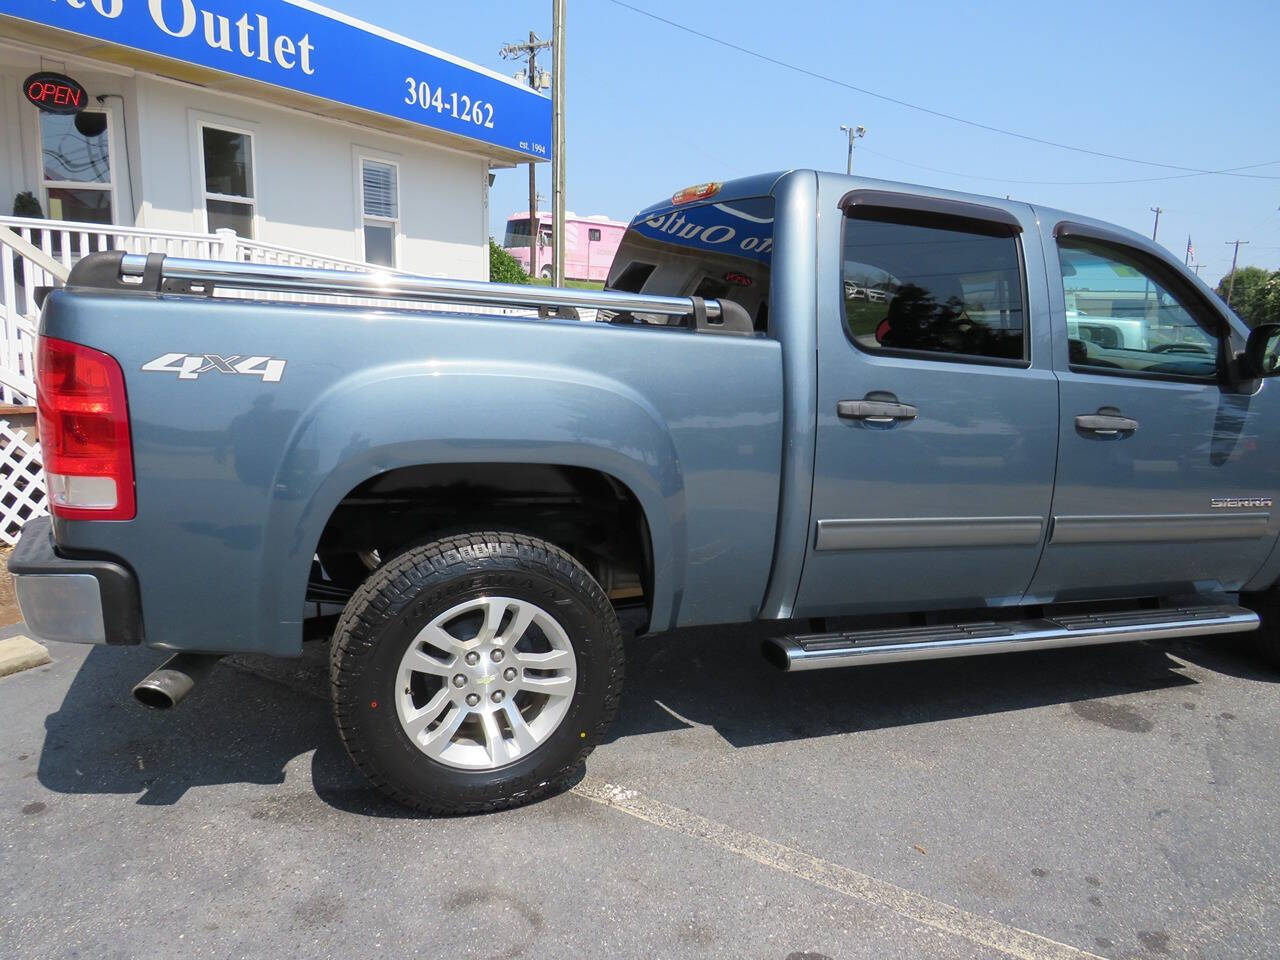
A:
{"x": 1110, "y": 801}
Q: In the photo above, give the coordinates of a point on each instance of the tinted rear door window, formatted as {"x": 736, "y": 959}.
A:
{"x": 916, "y": 283}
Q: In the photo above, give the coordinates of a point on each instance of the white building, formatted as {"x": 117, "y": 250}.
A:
{"x": 291, "y": 124}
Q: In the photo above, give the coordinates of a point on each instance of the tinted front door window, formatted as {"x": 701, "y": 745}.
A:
{"x": 1121, "y": 318}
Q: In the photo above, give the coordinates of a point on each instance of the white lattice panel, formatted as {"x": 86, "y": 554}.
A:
{"x": 22, "y": 492}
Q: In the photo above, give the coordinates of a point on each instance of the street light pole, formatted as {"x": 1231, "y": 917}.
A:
{"x": 558, "y": 141}
{"x": 853, "y": 132}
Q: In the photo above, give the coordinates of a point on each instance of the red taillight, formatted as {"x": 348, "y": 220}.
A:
{"x": 84, "y": 432}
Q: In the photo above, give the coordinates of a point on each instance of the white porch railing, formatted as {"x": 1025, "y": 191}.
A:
{"x": 62, "y": 243}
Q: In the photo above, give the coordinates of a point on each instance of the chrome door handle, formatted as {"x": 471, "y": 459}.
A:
{"x": 875, "y": 411}
{"x": 1107, "y": 422}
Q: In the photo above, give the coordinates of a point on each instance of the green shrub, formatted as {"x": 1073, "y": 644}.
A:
{"x": 503, "y": 267}
{"x": 26, "y": 205}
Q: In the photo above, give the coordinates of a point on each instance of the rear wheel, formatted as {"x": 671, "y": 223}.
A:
{"x": 476, "y": 672}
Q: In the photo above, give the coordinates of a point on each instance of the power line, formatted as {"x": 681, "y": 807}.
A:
{"x": 1064, "y": 183}
{"x": 1231, "y": 172}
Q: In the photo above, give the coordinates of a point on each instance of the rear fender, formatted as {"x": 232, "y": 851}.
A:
{"x": 469, "y": 412}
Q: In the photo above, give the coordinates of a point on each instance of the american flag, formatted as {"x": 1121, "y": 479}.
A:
{"x": 1191, "y": 251}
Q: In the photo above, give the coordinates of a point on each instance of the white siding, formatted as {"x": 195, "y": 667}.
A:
{"x": 305, "y": 181}
{"x": 305, "y": 176}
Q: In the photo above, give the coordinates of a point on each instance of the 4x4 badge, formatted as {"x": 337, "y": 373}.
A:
{"x": 188, "y": 366}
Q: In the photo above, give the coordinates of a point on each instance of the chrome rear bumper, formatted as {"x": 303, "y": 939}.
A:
{"x": 73, "y": 600}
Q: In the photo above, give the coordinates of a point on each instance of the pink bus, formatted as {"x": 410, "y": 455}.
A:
{"x": 590, "y": 243}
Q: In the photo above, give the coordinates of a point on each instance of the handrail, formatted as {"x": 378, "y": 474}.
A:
{"x": 33, "y": 253}
{"x": 280, "y": 277}
{"x": 84, "y": 226}
{"x": 265, "y": 247}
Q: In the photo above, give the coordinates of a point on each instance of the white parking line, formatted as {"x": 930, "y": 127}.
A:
{"x": 914, "y": 906}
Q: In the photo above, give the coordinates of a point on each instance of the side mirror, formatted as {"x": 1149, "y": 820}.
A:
{"x": 1261, "y": 357}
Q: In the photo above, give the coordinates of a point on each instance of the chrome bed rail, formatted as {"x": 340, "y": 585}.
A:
{"x": 178, "y": 274}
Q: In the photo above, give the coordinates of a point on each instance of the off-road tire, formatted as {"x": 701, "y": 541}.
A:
{"x": 384, "y": 616}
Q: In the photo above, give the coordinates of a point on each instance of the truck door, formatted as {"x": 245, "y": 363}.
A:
{"x": 937, "y": 405}
{"x": 1165, "y": 477}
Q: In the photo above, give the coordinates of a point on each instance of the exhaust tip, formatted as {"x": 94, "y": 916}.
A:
{"x": 164, "y": 687}
{"x": 153, "y": 697}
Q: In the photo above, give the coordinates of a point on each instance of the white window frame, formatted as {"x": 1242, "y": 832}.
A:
{"x": 203, "y": 196}
{"x": 361, "y": 155}
{"x": 109, "y": 187}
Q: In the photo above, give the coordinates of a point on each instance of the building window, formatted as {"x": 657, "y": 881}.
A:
{"x": 227, "y": 156}
{"x": 380, "y": 207}
{"x": 76, "y": 161}
{"x": 593, "y": 234}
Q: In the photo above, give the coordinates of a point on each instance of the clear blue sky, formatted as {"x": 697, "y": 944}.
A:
{"x": 651, "y": 109}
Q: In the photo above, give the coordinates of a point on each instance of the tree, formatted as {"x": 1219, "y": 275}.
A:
{"x": 503, "y": 267}
{"x": 1255, "y": 296}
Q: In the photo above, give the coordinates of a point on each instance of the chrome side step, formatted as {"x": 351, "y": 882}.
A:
{"x": 818, "y": 651}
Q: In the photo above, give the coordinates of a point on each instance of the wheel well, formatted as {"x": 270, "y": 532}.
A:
{"x": 590, "y": 514}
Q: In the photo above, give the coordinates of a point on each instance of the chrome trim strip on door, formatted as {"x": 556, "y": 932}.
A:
{"x": 1159, "y": 528}
{"x": 923, "y": 532}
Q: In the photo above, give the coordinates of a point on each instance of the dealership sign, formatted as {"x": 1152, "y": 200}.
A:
{"x": 54, "y": 93}
{"x": 300, "y": 46}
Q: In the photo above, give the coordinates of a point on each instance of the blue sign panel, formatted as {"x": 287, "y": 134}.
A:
{"x": 303, "y": 47}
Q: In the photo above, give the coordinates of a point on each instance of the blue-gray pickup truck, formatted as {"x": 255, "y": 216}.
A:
{"x": 902, "y": 422}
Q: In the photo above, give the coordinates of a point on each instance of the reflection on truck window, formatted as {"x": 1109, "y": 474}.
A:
{"x": 716, "y": 250}
{"x": 632, "y": 277}
{"x": 933, "y": 284}
{"x": 1120, "y": 317}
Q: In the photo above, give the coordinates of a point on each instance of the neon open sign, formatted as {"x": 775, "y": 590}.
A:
{"x": 54, "y": 93}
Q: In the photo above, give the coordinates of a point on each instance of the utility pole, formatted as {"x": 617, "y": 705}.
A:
{"x": 557, "y": 141}
{"x": 529, "y": 51}
{"x": 1154, "y": 230}
{"x": 854, "y": 132}
{"x": 1231, "y": 283}
{"x": 1197, "y": 267}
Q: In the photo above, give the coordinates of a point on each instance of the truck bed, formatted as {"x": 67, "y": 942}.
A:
{"x": 238, "y": 469}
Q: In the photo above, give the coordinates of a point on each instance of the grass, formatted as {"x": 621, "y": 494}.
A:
{"x": 573, "y": 284}
{"x": 863, "y": 316}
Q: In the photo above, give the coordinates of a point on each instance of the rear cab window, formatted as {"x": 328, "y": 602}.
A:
{"x": 717, "y": 250}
